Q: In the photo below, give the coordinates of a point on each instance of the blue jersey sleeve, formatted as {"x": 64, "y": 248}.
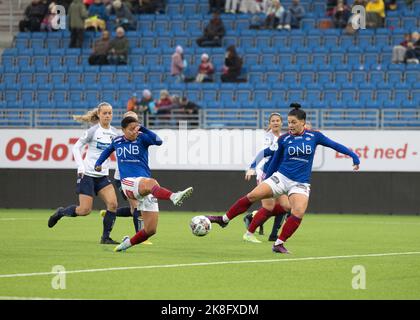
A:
{"x": 150, "y": 138}
{"x": 261, "y": 155}
{"x": 324, "y": 141}
{"x": 105, "y": 154}
{"x": 275, "y": 161}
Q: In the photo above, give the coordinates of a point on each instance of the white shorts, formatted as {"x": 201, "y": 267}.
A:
{"x": 280, "y": 184}
{"x": 130, "y": 187}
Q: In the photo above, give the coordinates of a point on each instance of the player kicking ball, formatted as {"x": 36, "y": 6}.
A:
{"x": 132, "y": 154}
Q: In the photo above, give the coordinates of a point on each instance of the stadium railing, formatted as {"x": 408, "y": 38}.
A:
{"x": 351, "y": 119}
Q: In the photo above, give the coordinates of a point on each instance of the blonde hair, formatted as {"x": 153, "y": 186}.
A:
{"x": 269, "y": 120}
{"x": 92, "y": 116}
{"x": 130, "y": 114}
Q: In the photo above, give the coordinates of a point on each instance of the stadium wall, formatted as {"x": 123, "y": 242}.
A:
{"x": 332, "y": 192}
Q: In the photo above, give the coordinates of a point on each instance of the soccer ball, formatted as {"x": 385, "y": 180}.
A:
{"x": 200, "y": 226}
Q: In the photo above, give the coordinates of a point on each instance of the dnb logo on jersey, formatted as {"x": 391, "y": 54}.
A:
{"x": 132, "y": 149}
{"x": 296, "y": 150}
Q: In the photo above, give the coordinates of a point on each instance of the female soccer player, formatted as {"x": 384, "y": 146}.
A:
{"x": 270, "y": 207}
{"x": 91, "y": 182}
{"x": 289, "y": 173}
{"x": 132, "y": 155}
{"x": 132, "y": 210}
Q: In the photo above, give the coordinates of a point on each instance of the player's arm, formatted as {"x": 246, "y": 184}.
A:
{"x": 326, "y": 142}
{"x": 261, "y": 155}
{"x": 275, "y": 162}
{"x": 151, "y": 138}
{"x": 104, "y": 155}
{"x": 77, "y": 151}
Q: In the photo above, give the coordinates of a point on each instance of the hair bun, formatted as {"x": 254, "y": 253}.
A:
{"x": 295, "y": 105}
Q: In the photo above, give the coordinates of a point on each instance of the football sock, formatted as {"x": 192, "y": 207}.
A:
{"x": 161, "y": 193}
{"x": 260, "y": 217}
{"x": 108, "y": 223}
{"x": 136, "y": 221}
{"x": 239, "y": 207}
{"x": 123, "y": 212}
{"x": 70, "y": 211}
{"x": 139, "y": 237}
{"x": 291, "y": 225}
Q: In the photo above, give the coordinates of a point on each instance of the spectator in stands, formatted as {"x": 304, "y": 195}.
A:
{"x": 341, "y": 15}
{"x": 391, "y": 5}
{"x": 412, "y": 54}
{"x": 98, "y": 16}
{"x": 178, "y": 64}
{"x": 34, "y": 14}
{"x": 233, "y": 65}
{"x": 213, "y": 33}
{"x": 77, "y": 16}
{"x": 144, "y": 7}
{"x": 118, "y": 48}
{"x": 46, "y": 24}
{"x": 64, "y": 3}
{"x": 164, "y": 104}
{"x": 375, "y": 14}
{"x": 274, "y": 12}
{"x": 292, "y": 17}
{"x": 133, "y": 103}
{"x": 205, "y": 69}
{"x": 190, "y": 109}
{"x": 123, "y": 15}
{"x": 398, "y": 52}
{"x": 331, "y": 6}
{"x": 249, "y": 6}
{"x": 216, "y": 6}
{"x": 87, "y": 3}
{"x": 231, "y": 6}
{"x": 100, "y": 50}
{"x": 147, "y": 105}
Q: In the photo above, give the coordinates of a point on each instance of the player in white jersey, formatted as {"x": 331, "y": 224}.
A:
{"x": 90, "y": 182}
{"x": 277, "y": 207}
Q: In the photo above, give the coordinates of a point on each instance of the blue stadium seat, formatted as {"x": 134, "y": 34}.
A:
{"x": 307, "y": 77}
{"x": 394, "y": 76}
{"x": 324, "y": 77}
{"x": 278, "y": 95}
{"x": 243, "y": 95}
{"x": 401, "y": 95}
{"x": 330, "y": 96}
{"x": 348, "y": 95}
{"x": 261, "y": 95}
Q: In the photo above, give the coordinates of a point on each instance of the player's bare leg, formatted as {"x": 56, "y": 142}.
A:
{"x": 150, "y": 226}
{"x": 262, "y": 191}
{"x": 299, "y": 203}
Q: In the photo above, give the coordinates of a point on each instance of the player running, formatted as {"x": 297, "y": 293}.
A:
{"x": 89, "y": 181}
{"x": 132, "y": 155}
{"x": 270, "y": 207}
{"x": 289, "y": 173}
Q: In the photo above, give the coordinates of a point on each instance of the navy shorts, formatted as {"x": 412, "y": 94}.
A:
{"x": 90, "y": 186}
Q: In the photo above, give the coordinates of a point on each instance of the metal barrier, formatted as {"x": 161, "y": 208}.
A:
{"x": 407, "y": 119}
{"x": 12, "y": 118}
{"x": 350, "y": 118}
{"x": 400, "y": 118}
{"x": 231, "y": 118}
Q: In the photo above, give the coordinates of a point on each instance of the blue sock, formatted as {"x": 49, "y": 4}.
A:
{"x": 108, "y": 222}
{"x": 136, "y": 221}
{"x": 123, "y": 212}
{"x": 70, "y": 211}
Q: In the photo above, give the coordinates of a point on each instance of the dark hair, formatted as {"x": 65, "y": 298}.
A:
{"x": 297, "y": 111}
{"x": 126, "y": 121}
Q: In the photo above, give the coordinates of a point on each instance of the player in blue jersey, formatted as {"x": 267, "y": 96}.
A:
{"x": 289, "y": 173}
{"x": 132, "y": 210}
{"x": 133, "y": 163}
{"x": 270, "y": 207}
{"x": 91, "y": 182}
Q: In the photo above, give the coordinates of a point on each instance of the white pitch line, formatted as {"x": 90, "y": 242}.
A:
{"x": 200, "y": 264}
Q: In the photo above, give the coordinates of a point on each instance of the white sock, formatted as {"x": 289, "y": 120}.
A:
{"x": 225, "y": 219}
{"x": 249, "y": 233}
{"x": 278, "y": 241}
